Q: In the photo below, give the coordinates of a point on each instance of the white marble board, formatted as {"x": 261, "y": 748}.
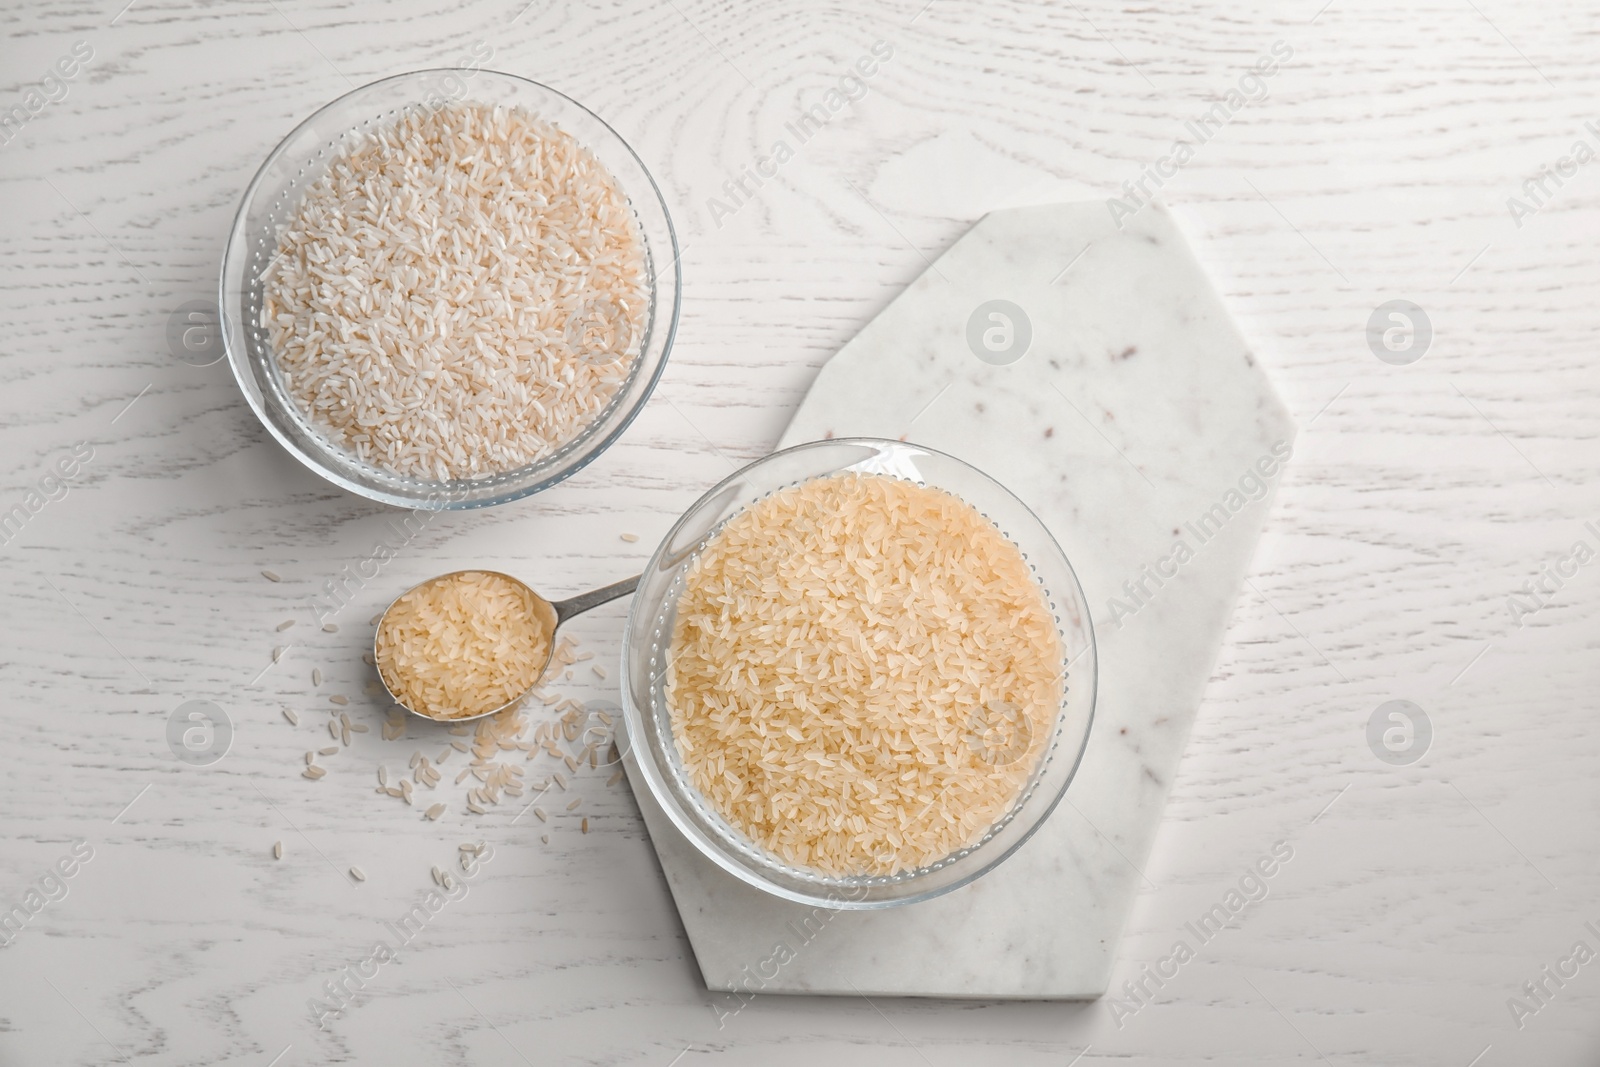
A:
{"x": 1114, "y": 394}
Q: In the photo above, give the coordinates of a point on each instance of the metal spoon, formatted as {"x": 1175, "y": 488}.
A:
{"x": 551, "y": 615}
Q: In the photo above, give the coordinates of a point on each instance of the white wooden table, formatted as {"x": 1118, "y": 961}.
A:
{"x": 1420, "y": 898}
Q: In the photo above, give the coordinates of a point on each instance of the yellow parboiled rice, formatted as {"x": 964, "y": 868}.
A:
{"x": 863, "y": 674}
{"x": 462, "y": 644}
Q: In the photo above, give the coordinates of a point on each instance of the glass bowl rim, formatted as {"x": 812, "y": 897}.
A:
{"x": 655, "y": 776}
{"x": 439, "y": 496}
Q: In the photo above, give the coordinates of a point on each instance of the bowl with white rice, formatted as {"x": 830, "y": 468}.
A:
{"x": 450, "y": 289}
{"x": 858, "y": 673}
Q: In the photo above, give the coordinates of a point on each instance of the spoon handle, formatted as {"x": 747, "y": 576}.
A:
{"x": 566, "y": 609}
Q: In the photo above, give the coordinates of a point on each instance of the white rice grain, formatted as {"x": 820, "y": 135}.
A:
{"x": 461, "y": 294}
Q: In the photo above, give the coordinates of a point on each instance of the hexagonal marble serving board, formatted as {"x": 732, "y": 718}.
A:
{"x": 1094, "y": 372}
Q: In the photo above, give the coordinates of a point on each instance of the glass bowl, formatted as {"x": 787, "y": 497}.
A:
{"x": 303, "y": 157}
{"x": 648, "y": 638}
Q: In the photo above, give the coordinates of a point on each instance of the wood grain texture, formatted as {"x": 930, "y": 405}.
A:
{"x": 1420, "y": 498}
